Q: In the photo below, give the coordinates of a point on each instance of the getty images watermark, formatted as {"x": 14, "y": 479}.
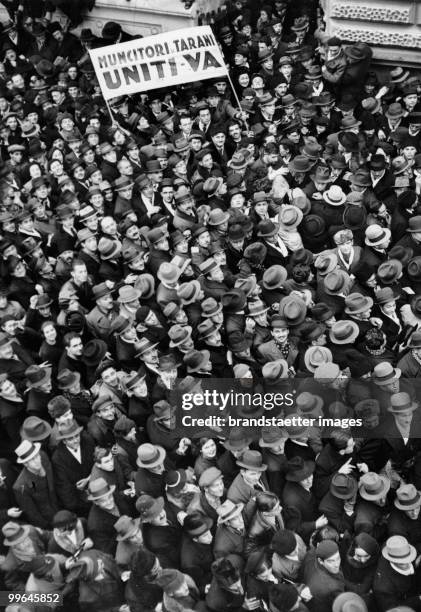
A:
{"x": 218, "y": 409}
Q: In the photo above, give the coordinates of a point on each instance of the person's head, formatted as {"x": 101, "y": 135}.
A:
{"x": 73, "y": 345}
{"x": 342, "y": 441}
{"x": 79, "y": 272}
{"x": 207, "y": 448}
{"x": 327, "y": 554}
{"x": 49, "y": 332}
{"x": 104, "y": 459}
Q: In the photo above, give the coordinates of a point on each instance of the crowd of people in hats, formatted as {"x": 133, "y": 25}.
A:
{"x": 189, "y": 240}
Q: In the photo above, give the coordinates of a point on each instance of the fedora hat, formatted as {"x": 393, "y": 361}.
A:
{"x": 108, "y": 249}
{"x": 343, "y": 486}
{"x": 334, "y": 196}
{"x": 407, "y": 497}
{"x": 237, "y": 440}
{"x": 267, "y": 228}
{"x": 150, "y": 455}
{"x": 293, "y": 310}
{"x": 178, "y": 334}
{"x": 361, "y": 178}
{"x": 94, "y": 352}
{"x": 355, "y": 303}
{"x": 398, "y": 550}
{"x": 149, "y": 507}
{"x": 228, "y": 510}
{"x": 296, "y": 431}
{"x": 414, "y": 224}
{"x": 27, "y": 450}
{"x": 234, "y": 301}
{"x": 35, "y": 429}
{"x": 315, "y": 356}
{"x": 196, "y": 524}
{"x": 274, "y": 277}
{"x": 384, "y": 373}
{"x": 126, "y": 527}
{"x": 99, "y": 488}
{"x": 196, "y": 360}
{"x": 394, "y": 111}
{"x": 271, "y": 436}
{"x": 355, "y": 217}
{"x": 415, "y": 340}
{"x": 309, "y": 404}
{"x": 389, "y": 271}
{"x": 297, "y": 469}
{"x": 385, "y": 295}
{"x": 414, "y": 268}
{"x": 400, "y": 164}
{"x": 313, "y": 225}
{"x": 210, "y": 307}
{"x": 257, "y": 307}
{"x": 336, "y": 282}
{"x": 349, "y": 602}
{"x": 398, "y": 75}
{"x": 355, "y": 53}
{"x": 146, "y": 285}
{"x": 375, "y": 235}
{"x": 401, "y": 403}
{"x": 289, "y": 217}
{"x": 66, "y": 379}
{"x": 300, "y": 163}
{"x": 344, "y": 332}
{"x": 168, "y": 273}
{"x": 36, "y": 376}
{"x": 14, "y": 533}
{"x": 373, "y": 486}
{"x": 69, "y": 431}
{"x": 273, "y": 371}
{"x": 326, "y": 262}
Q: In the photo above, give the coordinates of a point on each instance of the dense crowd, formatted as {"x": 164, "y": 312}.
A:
{"x": 188, "y": 240}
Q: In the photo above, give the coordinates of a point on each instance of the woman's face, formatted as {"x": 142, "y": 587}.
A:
{"x": 244, "y": 80}
{"x": 209, "y": 449}
{"x": 50, "y": 333}
{"x": 34, "y": 171}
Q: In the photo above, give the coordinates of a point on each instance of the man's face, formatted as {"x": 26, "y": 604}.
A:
{"x": 332, "y": 564}
{"x": 167, "y": 194}
{"x": 207, "y": 161}
{"x": 234, "y": 131}
{"x": 106, "y": 503}
{"x": 403, "y": 420}
{"x": 73, "y": 442}
{"x": 237, "y": 522}
{"x": 75, "y": 348}
{"x": 107, "y": 413}
{"x": 219, "y": 139}
{"x": 80, "y": 274}
{"x": 280, "y": 334}
{"x": 205, "y": 116}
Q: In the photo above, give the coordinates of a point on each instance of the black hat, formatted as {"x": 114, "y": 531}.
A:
{"x": 282, "y": 597}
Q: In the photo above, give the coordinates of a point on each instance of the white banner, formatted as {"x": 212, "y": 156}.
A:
{"x": 163, "y": 60}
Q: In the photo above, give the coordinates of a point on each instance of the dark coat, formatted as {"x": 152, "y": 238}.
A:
{"x": 300, "y": 509}
{"x": 400, "y": 524}
{"x": 392, "y": 589}
{"x": 228, "y": 542}
{"x": 101, "y": 529}
{"x": 164, "y": 542}
{"x": 36, "y": 495}
{"x": 328, "y": 462}
{"x": 68, "y": 471}
{"x": 196, "y": 560}
{"x": 323, "y": 585}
